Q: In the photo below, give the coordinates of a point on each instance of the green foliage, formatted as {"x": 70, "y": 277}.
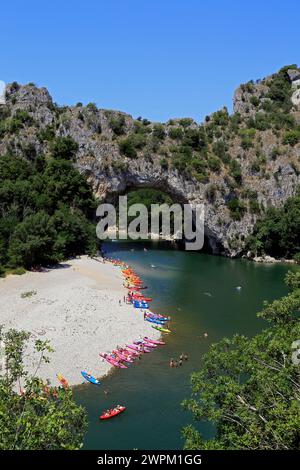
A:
{"x": 176, "y": 133}
{"x": 131, "y": 144}
{"x": 63, "y": 148}
{"x": 292, "y": 137}
{"x": 236, "y": 171}
{"x": 237, "y": 208}
{"x": 214, "y": 163}
{"x": 117, "y": 124}
{"x": 41, "y": 417}
{"x": 254, "y": 206}
{"x": 254, "y": 100}
{"x": 249, "y": 388}
{"x": 159, "y": 131}
{"x": 296, "y": 257}
{"x": 277, "y": 233}
{"x": 185, "y": 122}
{"x": 34, "y": 196}
{"x": 280, "y": 90}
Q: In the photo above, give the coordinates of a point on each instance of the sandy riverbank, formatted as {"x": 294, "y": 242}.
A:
{"x": 76, "y": 307}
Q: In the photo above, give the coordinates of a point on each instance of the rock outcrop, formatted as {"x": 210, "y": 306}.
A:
{"x": 236, "y": 165}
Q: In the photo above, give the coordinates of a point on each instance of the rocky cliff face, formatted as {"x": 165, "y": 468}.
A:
{"x": 237, "y": 165}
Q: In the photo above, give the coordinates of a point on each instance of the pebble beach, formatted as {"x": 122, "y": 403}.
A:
{"x": 78, "y": 306}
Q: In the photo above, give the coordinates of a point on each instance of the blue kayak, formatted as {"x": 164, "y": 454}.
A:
{"x": 152, "y": 320}
{"x": 90, "y": 378}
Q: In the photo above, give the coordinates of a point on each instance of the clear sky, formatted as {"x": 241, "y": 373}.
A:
{"x": 154, "y": 58}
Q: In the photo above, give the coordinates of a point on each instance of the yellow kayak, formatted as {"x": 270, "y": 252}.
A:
{"x": 159, "y": 328}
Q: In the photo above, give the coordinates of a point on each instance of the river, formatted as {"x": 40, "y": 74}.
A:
{"x": 199, "y": 292}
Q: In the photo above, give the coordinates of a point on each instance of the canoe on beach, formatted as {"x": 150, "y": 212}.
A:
{"x": 159, "y": 328}
{"x": 90, "y": 378}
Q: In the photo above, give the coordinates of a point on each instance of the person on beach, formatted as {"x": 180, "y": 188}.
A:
{"x": 185, "y": 356}
{"x": 171, "y": 363}
{"x": 180, "y": 362}
{"x": 181, "y": 357}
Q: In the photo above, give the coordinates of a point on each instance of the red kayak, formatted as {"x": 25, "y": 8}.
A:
{"x": 114, "y": 412}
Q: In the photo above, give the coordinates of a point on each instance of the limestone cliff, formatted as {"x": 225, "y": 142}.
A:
{"x": 236, "y": 164}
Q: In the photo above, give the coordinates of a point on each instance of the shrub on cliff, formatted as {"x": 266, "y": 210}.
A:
{"x": 63, "y": 148}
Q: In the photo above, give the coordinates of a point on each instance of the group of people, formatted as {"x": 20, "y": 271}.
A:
{"x": 179, "y": 362}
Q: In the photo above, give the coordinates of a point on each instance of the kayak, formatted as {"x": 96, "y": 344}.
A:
{"x": 90, "y": 378}
{"x": 122, "y": 356}
{"x": 145, "y": 343}
{"x": 154, "y": 341}
{"x": 159, "y": 328}
{"x": 111, "y": 413}
{"x": 138, "y": 349}
{"x": 131, "y": 352}
{"x": 153, "y": 320}
{"x": 157, "y": 317}
{"x": 112, "y": 361}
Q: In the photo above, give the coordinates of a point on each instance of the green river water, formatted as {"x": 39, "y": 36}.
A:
{"x": 199, "y": 292}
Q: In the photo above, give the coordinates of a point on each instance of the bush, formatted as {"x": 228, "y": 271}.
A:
{"x": 254, "y": 100}
{"x": 254, "y": 206}
{"x": 291, "y": 137}
{"x": 63, "y": 148}
{"x": 2, "y": 271}
{"x": 236, "y": 171}
{"x": 117, "y": 124}
{"x": 296, "y": 257}
{"x": 130, "y": 144}
{"x": 237, "y": 208}
{"x": 214, "y": 164}
{"x": 164, "y": 163}
{"x": 185, "y": 122}
{"x": 158, "y": 131}
{"x": 176, "y": 133}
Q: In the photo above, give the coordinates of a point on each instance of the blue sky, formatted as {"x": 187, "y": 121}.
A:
{"x": 154, "y": 58}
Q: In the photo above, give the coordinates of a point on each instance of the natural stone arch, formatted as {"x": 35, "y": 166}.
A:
{"x": 183, "y": 191}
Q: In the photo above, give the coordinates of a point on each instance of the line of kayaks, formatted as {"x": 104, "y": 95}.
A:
{"x": 122, "y": 357}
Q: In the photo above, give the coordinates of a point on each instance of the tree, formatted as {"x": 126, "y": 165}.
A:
{"x": 39, "y": 417}
{"x": 32, "y": 241}
{"x": 277, "y": 233}
{"x": 249, "y": 388}
{"x": 64, "y": 148}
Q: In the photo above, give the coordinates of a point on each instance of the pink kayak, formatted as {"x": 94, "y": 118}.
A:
{"x": 137, "y": 348}
{"x": 154, "y": 341}
{"x": 112, "y": 361}
{"x": 123, "y": 357}
{"x": 130, "y": 352}
{"x": 145, "y": 343}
